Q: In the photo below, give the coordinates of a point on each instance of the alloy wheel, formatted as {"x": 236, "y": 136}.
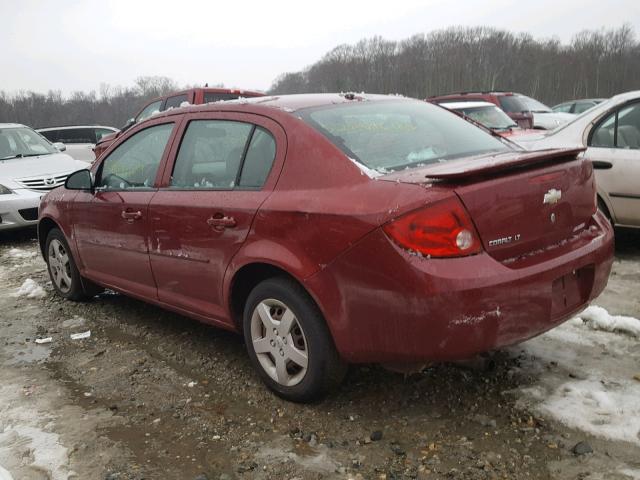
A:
{"x": 59, "y": 265}
{"x": 279, "y": 342}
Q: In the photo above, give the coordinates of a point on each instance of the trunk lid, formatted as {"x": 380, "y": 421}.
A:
{"x": 520, "y": 203}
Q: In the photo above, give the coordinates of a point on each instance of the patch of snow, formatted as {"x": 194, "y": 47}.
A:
{"x": 74, "y": 322}
{"x": 4, "y": 474}
{"x": 19, "y": 253}
{"x": 31, "y": 289}
{"x": 607, "y": 409}
{"x": 48, "y": 455}
{"x": 364, "y": 170}
{"x": 597, "y": 318}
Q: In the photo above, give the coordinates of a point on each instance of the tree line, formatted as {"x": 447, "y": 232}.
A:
{"x": 593, "y": 64}
{"x": 111, "y": 106}
{"x": 596, "y": 63}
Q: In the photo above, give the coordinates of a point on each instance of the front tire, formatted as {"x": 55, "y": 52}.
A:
{"x": 63, "y": 271}
{"x": 289, "y": 343}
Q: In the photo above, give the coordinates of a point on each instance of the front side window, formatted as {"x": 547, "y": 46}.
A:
{"x": 393, "y": 135}
{"x": 149, "y": 110}
{"x": 134, "y": 163}
{"x": 210, "y": 154}
{"x": 583, "y": 107}
{"x": 175, "y": 102}
{"x": 620, "y": 129}
{"x": 22, "y": 142}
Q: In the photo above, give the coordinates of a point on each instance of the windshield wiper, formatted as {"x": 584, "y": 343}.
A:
{"x": 22, "y": 155}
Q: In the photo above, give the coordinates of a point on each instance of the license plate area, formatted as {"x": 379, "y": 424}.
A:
{"x": 571, "y": 290}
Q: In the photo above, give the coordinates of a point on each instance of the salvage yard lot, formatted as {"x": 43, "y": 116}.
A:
{"x": 151, "y": 394}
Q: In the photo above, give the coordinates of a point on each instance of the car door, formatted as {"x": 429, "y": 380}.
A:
{"x": 111, "y": 224}
{"x": 614, "y": 148}
{"x": 225, "y": 166}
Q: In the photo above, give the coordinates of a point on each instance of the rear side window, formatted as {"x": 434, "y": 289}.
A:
{"x": 134, "y": 163}
{"x": 174, "y": 102}
{"x": 259, "y": 159}
{"x": 216, "y": 97}
{"x": 149, "y": 110}
{"x": 210, "y": 154}
{"x": 76, "y": 135}
{"x": 50, "y": 135}
{"x": 393, "y": 135}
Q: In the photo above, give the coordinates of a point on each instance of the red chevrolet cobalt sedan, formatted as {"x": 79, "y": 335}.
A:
{"x": 333, "y": 229}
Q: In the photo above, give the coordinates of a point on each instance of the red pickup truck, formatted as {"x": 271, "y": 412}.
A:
{"x": 194, "y": 96}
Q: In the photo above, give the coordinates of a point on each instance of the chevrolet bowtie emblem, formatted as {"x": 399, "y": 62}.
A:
{"x": 552, "y": 196}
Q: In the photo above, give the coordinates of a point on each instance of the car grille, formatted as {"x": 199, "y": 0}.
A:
{"x": 29, "y": 213}
{"x": 43, "y": 184}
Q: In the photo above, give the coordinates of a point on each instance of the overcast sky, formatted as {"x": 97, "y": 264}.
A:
{"x": 78, "y": 44}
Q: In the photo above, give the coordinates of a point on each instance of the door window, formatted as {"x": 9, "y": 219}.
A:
{"x": 210, "y": 154}
{"x": 76, "y": 135}
{"x": 620, "y": 130}
{"x": 563, "y": 108}
{"x": 149, "y": 110}
{"x": 258, "y": 160}
{"x": 134, "y": 163}
{"x": 174, "y": 102}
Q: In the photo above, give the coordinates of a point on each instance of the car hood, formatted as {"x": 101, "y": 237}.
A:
{"x": 43, "y": 165}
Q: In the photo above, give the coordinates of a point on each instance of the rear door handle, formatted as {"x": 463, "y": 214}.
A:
{"x": 601, "y": 165}
{"x": 129, "y": 215}
{"x": 221, "y": 222}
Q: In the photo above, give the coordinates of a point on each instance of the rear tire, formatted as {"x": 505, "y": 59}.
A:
{"x": 289, "y": 343}
{"x": 64, "y": 273}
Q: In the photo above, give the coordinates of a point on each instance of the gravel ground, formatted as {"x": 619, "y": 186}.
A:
{"x": 151, "y": 394}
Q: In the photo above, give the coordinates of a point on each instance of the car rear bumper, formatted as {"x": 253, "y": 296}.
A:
{"x": 383, "y": 304}
{"x": 19, "y": 210}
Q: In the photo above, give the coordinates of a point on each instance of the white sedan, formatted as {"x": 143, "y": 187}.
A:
{"x": 30, "y": 166}
{"x": 610, "y": 132}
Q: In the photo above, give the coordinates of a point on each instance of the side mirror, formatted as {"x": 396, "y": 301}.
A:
{"x": 80, "y": 180}
{"x": 61, "y": 147}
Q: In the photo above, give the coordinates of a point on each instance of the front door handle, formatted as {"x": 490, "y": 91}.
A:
{"x": 221, "y": 222}
{"x": 129, "y": 215}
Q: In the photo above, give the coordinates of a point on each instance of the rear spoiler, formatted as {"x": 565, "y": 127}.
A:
{"x": 474, "y": 166}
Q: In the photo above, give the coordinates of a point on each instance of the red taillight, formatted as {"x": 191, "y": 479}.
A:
{"x": 443, "y": 229}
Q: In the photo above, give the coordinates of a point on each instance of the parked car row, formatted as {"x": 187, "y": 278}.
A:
{"x": 525, "y": 111}
{"x": 263, "y": 215}
{"x": 333, "y": 229}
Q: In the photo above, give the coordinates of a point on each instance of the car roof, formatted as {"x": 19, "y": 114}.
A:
{"x": 295, "y": 102}
{"x": 468, "y": 104}
{"x": 12, "y": 125}
{"x": 474, "y": 93}
{"x": 68, "y": 127}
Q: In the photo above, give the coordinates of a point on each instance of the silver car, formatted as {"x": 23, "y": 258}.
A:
{"x": 30, "y": 166}
{"x": 611, "y": 133}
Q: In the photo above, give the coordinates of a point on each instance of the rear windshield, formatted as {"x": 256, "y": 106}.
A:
{"x": 393, "y": 135}
{"x": 489, "y": 116}
{"x": 521, "y": 103}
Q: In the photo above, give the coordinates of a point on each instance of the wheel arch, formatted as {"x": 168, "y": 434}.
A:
{"x": 245, "y": 279}
{"x": 604, "y": 200}
{"x": 45, "y": 225}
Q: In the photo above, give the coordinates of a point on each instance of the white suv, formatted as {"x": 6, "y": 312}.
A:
{"x": 79, "y": 139}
